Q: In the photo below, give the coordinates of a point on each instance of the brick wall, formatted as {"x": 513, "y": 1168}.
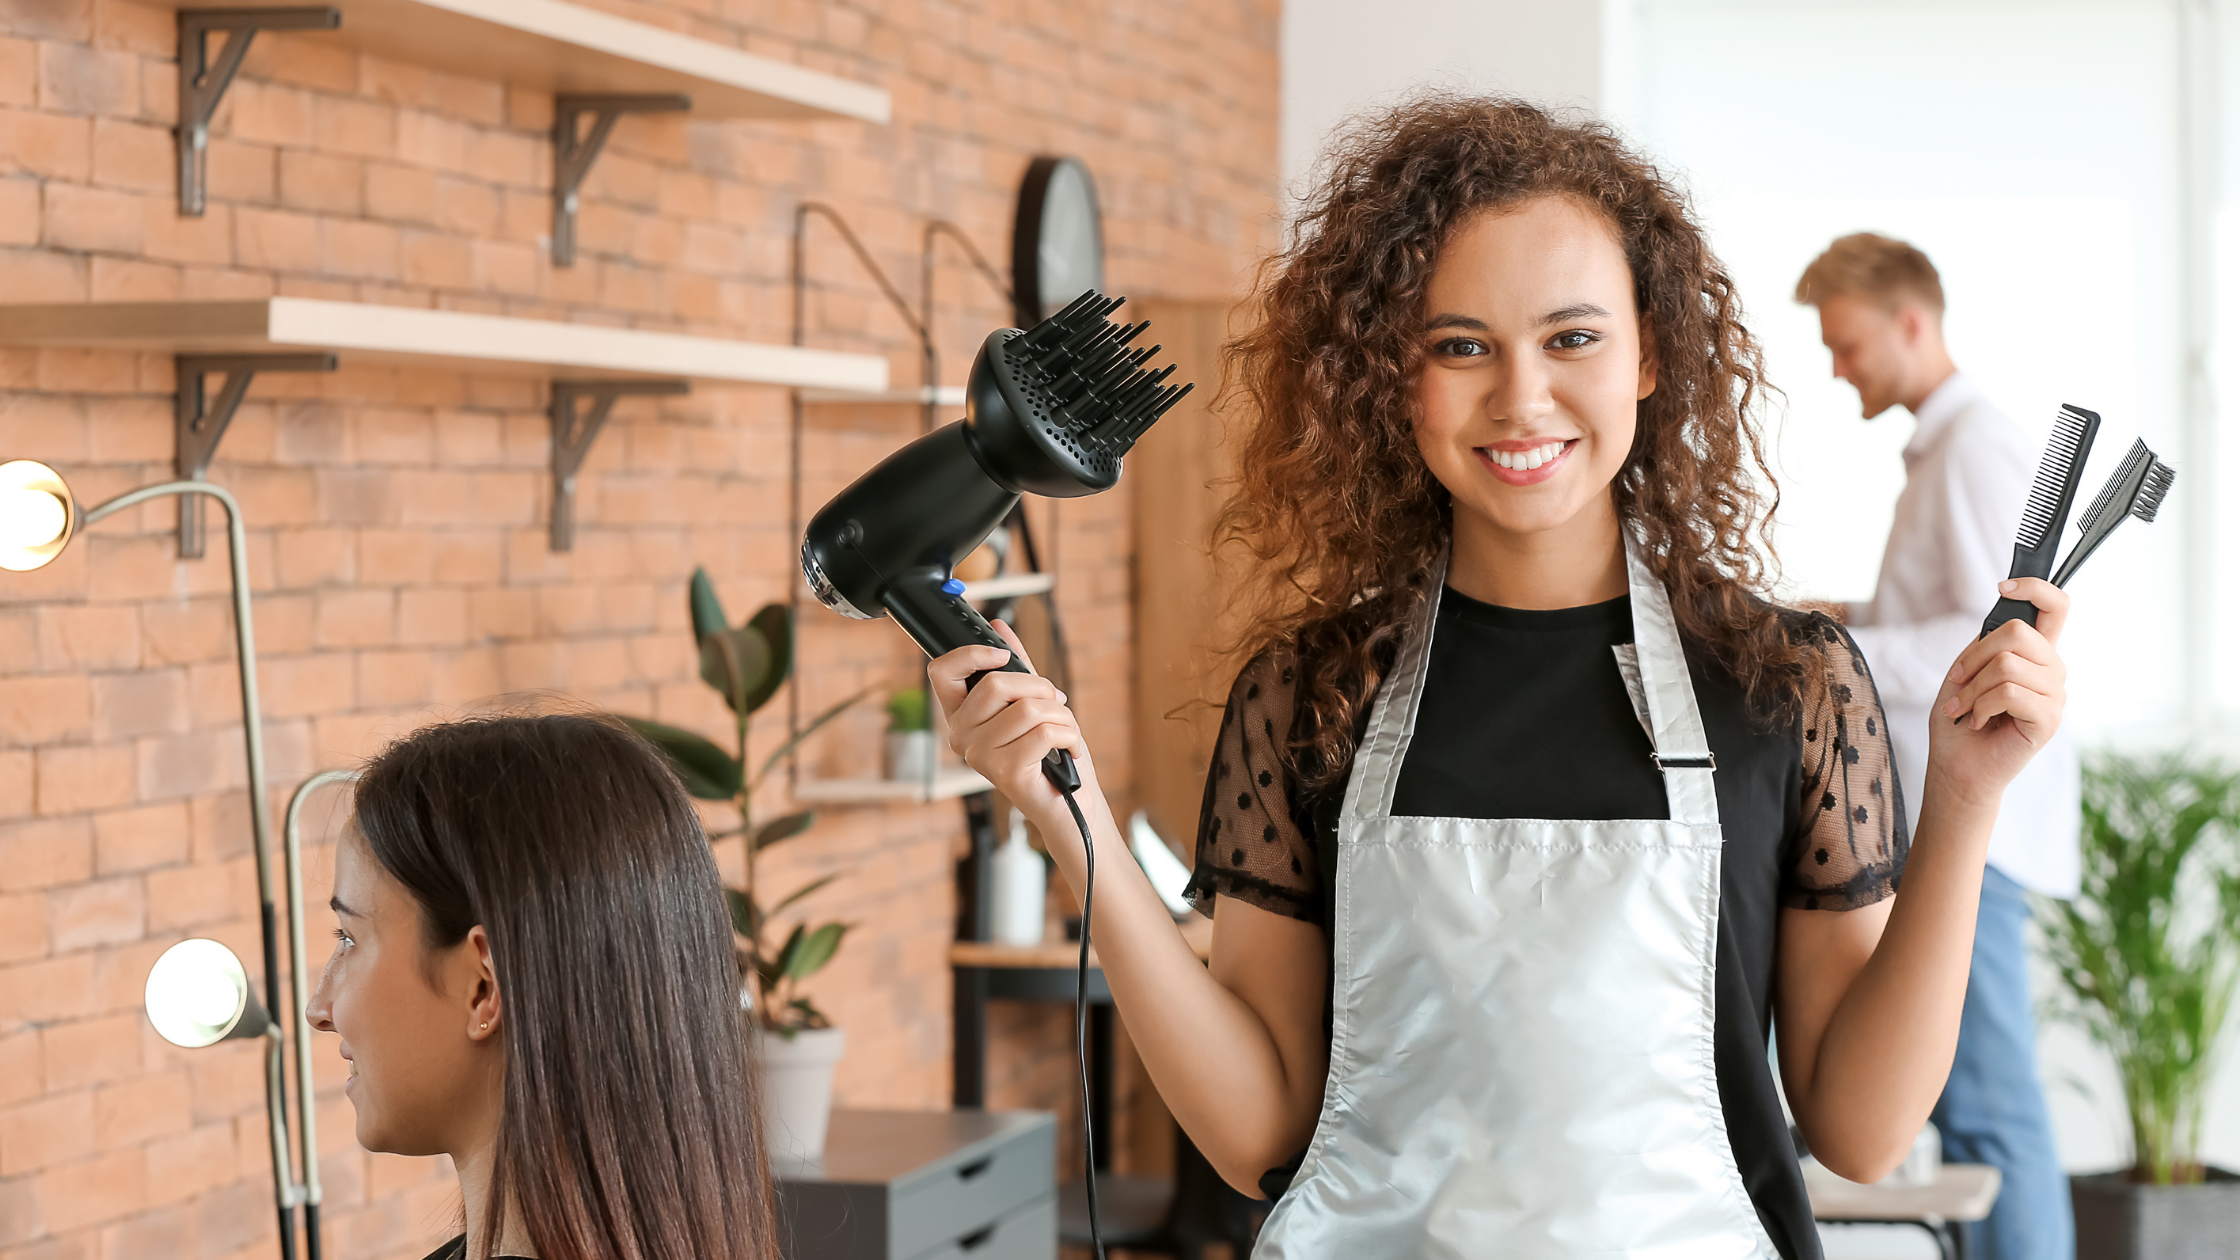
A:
{"x": 397, "y": 539}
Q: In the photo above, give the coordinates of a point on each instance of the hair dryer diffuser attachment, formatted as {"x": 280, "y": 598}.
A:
{"x": 1054, "y": 409}
{"x": 1051, "y": 411}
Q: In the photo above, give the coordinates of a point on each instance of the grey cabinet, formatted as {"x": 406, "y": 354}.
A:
{"x": 925, "y": 1185}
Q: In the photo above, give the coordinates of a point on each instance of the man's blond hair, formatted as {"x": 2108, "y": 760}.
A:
{"x": 1877, "y": 268}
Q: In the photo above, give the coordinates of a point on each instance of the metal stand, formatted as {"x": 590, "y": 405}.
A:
{"x": 285, "y": 1189}
{"x": 308, "y": 1192}
{"x": 200, "y": 424}
{"x": 573, "y": 153}
{"x": 203, "y": 81}
{"x": 572, "y": 436}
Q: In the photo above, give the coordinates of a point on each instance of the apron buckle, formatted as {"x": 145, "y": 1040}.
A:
{"x": 1708, "y": 761}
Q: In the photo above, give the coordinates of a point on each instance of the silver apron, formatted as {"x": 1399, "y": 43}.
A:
{"x": 1521, "y": 1059}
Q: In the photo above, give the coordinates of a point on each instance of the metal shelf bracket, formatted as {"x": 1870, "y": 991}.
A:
{"x": 572, "y": 436}
{"x": 199, "y": 424}
{"x": 203, "y": 82}
{"x": 573, "y": 151}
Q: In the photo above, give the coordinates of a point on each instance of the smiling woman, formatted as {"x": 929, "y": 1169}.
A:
{"x": 533, "y": 974}
{"x": 1530, "y": 813}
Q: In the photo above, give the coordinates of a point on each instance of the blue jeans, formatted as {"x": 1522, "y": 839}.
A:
{"x": 1993, "y": 1110}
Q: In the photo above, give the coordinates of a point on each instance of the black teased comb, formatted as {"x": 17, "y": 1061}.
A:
{"x": 2136, "y": 489}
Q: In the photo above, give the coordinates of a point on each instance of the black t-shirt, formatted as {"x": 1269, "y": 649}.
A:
{"x": 1525, "y": 715}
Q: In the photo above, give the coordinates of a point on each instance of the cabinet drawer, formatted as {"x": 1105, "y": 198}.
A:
{"x": 956, "y": 1198}
{"x": 1029, "y": 1232}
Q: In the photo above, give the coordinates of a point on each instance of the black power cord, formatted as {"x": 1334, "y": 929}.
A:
{"x": 1081, "y": 1025}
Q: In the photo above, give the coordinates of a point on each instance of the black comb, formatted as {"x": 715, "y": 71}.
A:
{"x": 2136, "y": 489}
{"x": 2047, "y": 509}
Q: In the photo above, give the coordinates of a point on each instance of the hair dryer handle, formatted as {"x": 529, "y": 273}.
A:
{"x": 931, "y": 607}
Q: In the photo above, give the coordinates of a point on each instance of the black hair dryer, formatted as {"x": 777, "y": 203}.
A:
{"x": 1050, "y": 411}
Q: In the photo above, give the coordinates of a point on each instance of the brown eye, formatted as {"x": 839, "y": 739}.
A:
{"x": 1460, "y": 348}
{"x": 1576, "y": 339}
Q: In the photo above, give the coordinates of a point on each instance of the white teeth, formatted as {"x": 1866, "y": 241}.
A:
{"x": 1524, "y": 461}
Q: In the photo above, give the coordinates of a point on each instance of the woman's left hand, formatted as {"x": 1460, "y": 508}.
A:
{"x": 2003, "y": 699}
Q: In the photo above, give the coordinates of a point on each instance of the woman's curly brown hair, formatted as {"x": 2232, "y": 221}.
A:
{"x": 1333, "y": 502}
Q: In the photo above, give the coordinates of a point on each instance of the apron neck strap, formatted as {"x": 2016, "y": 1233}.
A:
{"x": 1682, "y": 751}
{"x": 1392, "y": 718}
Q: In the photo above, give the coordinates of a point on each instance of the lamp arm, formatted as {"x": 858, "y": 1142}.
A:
{"x": 260, "y": 814}
{"x": 276, "y": 1127}
{"x": 299, "y": 974}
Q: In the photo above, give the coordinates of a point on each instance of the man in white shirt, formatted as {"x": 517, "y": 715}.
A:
{"x": 1968, "y": 471}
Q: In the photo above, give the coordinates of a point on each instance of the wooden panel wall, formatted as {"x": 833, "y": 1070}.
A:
{"x": 1176, "y": 474}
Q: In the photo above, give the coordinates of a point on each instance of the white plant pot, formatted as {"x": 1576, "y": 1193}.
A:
{"x": 797, "y": 1091}
{"x": 909, "y": 755}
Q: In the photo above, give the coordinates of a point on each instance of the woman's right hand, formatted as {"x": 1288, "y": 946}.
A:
{"x": 1005, "y": 725}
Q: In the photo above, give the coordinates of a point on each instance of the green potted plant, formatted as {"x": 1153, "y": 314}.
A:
{"x": 910, "y": 747}
{"x": 746, "y": 664}
{"x": 2148, "y": 954}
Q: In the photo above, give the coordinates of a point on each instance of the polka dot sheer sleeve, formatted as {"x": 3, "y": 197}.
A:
{"x": 1254, "y": 843}
{"x": 1850, "y": 842}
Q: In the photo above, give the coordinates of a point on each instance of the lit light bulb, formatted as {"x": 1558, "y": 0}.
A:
{"x": 35, "y": 514}
{"x": 211, "y": 999}
{"x": 198, "y": 995}
{"x": 31, "y": 518}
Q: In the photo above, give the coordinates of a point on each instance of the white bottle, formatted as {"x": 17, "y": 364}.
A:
{"x": 1020, "y": 882}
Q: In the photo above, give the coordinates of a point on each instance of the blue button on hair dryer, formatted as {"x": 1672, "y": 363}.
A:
{"x": 1050, "y": 411}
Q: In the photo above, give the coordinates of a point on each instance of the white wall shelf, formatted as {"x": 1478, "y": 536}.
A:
{"x": 567, "y": 48}
{"x": 939, "y": 396}
{"x": 949, "y": 783}
{"x": 429, "y": 338}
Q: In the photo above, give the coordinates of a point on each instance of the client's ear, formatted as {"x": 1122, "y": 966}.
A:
{"x": 484, "y": 1010}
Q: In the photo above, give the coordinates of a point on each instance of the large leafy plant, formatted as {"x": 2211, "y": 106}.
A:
{"x": 2150, "y": 949}
{"x": 746, "y": 664}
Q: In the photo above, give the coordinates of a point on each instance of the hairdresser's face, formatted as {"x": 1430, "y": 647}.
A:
{"x": 425, "y": 1073}
{"x": 1525, "y": 406}
{"x": 1871, "y": 349}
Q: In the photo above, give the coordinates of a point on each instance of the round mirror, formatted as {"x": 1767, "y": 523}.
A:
{"x": 198, "y": 995}
{"x": 1057, "y": 240}
{"x": 36, "y": 516}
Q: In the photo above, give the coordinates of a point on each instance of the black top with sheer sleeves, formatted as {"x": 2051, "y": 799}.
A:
{"x": 1809, "y": 809}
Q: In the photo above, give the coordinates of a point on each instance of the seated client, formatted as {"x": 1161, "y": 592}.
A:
{"x": 533, "y": 974}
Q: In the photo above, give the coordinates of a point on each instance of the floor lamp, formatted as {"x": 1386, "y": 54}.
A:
{"x": 188, "y": 988}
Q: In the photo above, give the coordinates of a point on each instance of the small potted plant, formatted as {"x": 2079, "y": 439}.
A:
{"x": 2149, "y": 953}
{"x": 910, "y": 746}
{"x": 799, "y": 1046}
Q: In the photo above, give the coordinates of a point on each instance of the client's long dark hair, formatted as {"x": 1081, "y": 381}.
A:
{"x": 628, "y": 1130}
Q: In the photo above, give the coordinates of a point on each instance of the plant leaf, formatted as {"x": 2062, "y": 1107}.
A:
{"x": 743, "y": 915}
{"x": 774, "y": 623}
{"x": 816, "y": 724}
{"x": 785, "y": 828}
{"x": 781, "y": 964}
{"x": 707, "y": 610}
{"x": 806, "y": 889}
{"x": 815, "y": 951}
{"x": 733, "y": 662}
{"x": 709, "y": 773}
